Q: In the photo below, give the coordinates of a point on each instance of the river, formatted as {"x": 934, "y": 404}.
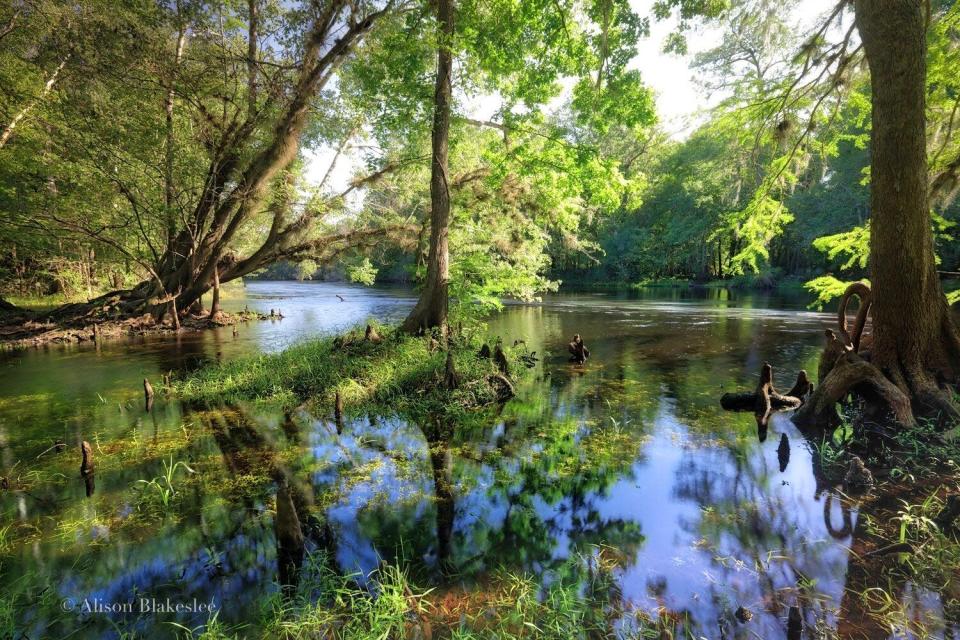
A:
{"x": 626, "y": 465}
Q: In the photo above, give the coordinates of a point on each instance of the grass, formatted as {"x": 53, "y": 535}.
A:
{"x": 157, "y": 495}
{"x": 509, "y": 605}
{"x": 398, "y": 375}
{"x": 916, "y": 470}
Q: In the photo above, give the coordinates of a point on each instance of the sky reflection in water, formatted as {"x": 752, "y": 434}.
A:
{"x": 628, "y": 460}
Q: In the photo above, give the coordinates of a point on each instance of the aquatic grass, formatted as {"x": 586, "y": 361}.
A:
{"x": 332, "y": 605}
{"x": 506, "y": 605}
{"x": 398, "y": 375}
{"x": 157, "y": 494}
{"x": 212, "y": 629}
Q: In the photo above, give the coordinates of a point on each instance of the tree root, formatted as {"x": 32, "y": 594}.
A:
{"x": 766, "y": 398}
{"x": 846, "y": 340}
{"x": 850, "y": 374}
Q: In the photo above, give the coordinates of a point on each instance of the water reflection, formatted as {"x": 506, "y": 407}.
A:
{"x": 622, "y": 475}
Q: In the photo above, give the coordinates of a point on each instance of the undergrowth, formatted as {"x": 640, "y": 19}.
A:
{"x": 398, "y": 374}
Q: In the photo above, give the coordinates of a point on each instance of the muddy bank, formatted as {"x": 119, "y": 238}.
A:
{"x": 22, "y": 329}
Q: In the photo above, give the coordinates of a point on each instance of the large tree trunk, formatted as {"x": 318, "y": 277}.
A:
{"x": 431, "y": 308}
{"x": 915, "y": 339}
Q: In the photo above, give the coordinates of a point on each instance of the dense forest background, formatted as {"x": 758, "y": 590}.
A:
{"x": 127, "y": 131}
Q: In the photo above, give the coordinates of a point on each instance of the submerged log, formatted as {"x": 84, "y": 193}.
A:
{"x": 578, "y": 351}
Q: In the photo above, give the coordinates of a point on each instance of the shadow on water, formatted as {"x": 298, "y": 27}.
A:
{"x": 622, "y": 476}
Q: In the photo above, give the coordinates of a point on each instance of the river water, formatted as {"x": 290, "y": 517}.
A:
{"x": 625, "y": 466}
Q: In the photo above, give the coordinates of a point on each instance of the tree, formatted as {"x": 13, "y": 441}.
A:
{"x": 915, "y": 348}
{"x": 431, "y": 309}
{"x": 215, "y": 196}
{"x": 915, "y": 337}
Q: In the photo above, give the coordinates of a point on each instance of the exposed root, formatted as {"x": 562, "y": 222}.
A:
{"x": 846, "y": 340}
{"x": 502, "y": 387}
{"x": 850, "y": 374}
{"x": 765, "y": 398}
{"x": 862, "y": 291}
{"x": 40, "y": 331}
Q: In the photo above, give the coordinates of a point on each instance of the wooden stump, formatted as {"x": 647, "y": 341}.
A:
{"x": 500, "y": 359}
{"x": 86, "y": 463}
{"x": 765, "y": 398}
{"x": 338, "y": 412}
{"x": 578, "y": 351}
{"x": 450, "y": 378}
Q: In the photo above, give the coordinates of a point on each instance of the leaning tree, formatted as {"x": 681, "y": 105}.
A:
{"x": 191, "y": 118}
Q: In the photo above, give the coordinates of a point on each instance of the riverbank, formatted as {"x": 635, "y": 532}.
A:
{"x": 21, "y": 332}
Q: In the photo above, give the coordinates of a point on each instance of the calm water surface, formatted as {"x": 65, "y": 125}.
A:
{"x": 626, "y": 466}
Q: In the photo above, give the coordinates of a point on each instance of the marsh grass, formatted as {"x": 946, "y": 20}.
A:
{"x": 158, "y": 494}
{"x": 399, "y": 375}
{"x": 507, "y": 605}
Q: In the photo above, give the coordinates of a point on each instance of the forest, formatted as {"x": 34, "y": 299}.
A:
{"x": 476, "y": 319}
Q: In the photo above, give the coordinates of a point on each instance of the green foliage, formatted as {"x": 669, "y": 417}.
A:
{"x": 826, "y": 288}
{"x": 362, "y": 271}
{"x": 852, "y": 246}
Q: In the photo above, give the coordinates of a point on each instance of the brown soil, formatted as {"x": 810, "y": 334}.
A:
{"x": 23, "y": 329}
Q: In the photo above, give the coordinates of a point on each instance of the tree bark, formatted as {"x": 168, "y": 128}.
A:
{"x": 431, "y": 309}
{"x": 168, "y": 191}
{"x": 215, "y": 303}
{"x": 47, "y": 88}
{"x": 914, "y": 336}
{"x": 252, "y": 34}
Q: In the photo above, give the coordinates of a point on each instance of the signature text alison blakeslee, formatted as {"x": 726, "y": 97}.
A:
{"x": 138, "y": 605}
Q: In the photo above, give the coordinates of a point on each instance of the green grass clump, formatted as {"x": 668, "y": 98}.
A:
{"x": 509, "y": 605}
{"x": 400, "y": 374}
